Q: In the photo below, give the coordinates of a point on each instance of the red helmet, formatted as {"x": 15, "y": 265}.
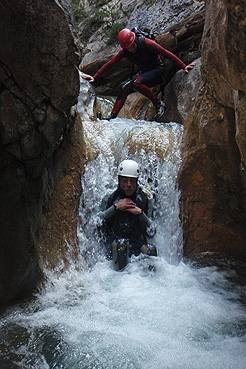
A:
{"x": 126, "y": 38}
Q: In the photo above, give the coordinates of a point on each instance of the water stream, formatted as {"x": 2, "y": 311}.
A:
{"x": 175, "y": 316}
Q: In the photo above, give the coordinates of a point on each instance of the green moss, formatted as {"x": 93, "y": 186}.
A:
{"x": 128, "y": 11}
{"x": 102, "y": 2}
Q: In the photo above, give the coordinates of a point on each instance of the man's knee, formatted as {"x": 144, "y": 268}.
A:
{"x": 137, "y": 82}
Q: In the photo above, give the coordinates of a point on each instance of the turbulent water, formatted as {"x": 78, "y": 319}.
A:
{"x": 158, "y": 312}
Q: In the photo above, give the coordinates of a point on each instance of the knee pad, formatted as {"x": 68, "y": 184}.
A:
{"x": 127, "y": 86}
{"x": 137, "y": 81}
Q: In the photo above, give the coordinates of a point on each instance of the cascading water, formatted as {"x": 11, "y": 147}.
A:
{"x": 174, "y": 317}
{"x": 156, "y": 148}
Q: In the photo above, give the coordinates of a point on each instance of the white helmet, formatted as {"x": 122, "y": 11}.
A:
{"x": 128, "y": 168}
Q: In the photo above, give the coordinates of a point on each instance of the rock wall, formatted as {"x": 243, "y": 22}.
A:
{"x": 212, "y": 177}
{"x": 39, "y": 85}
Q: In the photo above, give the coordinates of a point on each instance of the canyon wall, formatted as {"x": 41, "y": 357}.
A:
{"x": 39, "y": 86}
{"x": 212, "y": 177}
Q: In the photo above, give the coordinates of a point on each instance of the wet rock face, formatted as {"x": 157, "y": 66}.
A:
{"x": 39, "y": 84}
{"x": 181, "y": 92}
{"x": 212, "y": 176}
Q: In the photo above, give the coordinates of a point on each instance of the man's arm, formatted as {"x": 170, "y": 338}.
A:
{"x": 109, "y": 64}
{"x": 147, "y": 219}
{"x": 128, "y": 205}
{"x": 105, "y": 67}
{"x": 106, "y": 213}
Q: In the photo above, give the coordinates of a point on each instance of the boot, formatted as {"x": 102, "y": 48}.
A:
{"x": 110, "y": 116}
{"x": 160, "y": 107}
{"x": 149, "y": 250}
{"x": 120, "y": 251}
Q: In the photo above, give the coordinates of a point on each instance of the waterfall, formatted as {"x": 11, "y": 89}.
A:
{"x": 175, "y": 316}
{"x": 155, "y": 147}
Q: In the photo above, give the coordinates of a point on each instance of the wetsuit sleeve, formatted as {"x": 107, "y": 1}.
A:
{"x": 109, "y": 64}
{"x": 144, "y": 219}
{"x": 106, "y": 213}
{"x": 158, "y": 49}
{"x": 147, "y": 220}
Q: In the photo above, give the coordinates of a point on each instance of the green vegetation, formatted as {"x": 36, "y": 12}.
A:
{"x": 91, "y": 23}
{"x": 78, "y": 11}
{"x": 88, "y": 22}
{"x": 149, "y": 2}
{"x": 103, "y": 2}
{"x": 112, "y": 33}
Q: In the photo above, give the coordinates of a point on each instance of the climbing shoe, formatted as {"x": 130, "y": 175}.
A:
{"x": 110, "y": 116}
{"x": 161, "y": 107}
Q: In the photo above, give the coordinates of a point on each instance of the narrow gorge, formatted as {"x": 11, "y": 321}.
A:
{"x": 42, "y": 138}
{"x": 62, "y": 303}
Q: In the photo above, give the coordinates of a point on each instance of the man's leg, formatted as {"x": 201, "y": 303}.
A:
{"x": 125, "y": 90}
{"x": 144, "y": 89}
{"x": 143, "y": 83}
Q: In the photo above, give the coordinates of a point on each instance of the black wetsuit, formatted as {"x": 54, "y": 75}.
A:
{"x": 123, "y": 224}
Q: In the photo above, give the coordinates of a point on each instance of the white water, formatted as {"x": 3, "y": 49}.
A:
{"x": 174, "y": 317}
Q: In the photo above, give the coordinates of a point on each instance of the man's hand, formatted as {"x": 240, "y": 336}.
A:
{"x": 189, "y": 67}
{"x": 88, "y": 77}
{"x": 128, "y": 205}
{"x": 135, "y": 210}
